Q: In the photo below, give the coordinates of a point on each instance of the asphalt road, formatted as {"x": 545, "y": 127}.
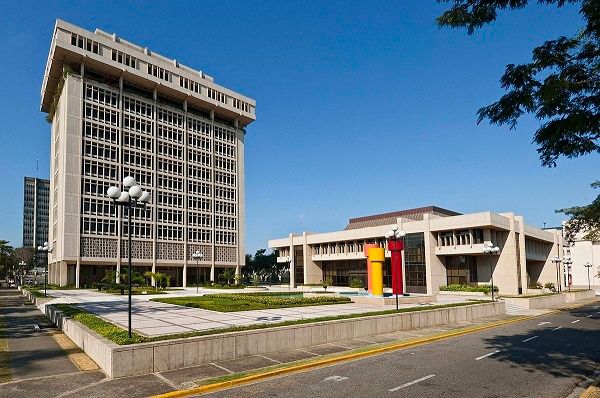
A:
{"x": 543, "y": 357}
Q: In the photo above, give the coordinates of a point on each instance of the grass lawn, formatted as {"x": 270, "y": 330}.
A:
{"x": 137, "y": 291}
{"x": 250, "y": 301}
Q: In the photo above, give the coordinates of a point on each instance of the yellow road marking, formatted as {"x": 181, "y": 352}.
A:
{"x": 75, "y": 354}
{"x": 330, "y": 361}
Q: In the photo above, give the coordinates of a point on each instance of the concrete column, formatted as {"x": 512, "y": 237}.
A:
{"x": 77, "y": 273}
{"x": 435, "y": 270}
{"x": 63, "y": 273}
{"x": 292, "y": 268}
{"x": 118, "y": 276}
{"x": 238, "y": 272}
{"x": 185, "y": 274}
{"x": 212, "y": 272}
{"x": 312, "y": 272}
{"x": 153, "y": 271}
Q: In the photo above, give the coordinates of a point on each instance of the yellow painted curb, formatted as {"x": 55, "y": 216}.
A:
{"x": 330, "y": 361}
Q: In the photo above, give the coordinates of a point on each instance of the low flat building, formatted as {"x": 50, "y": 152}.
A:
{"x": 442, "y": 247}
{"x": 583, "y": 253}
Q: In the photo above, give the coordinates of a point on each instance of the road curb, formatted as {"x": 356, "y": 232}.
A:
{"x": 593, "y": 391}
{"x": 331, "y": 361}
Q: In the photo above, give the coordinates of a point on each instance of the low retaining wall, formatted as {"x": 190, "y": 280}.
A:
{"x": 144, "y": 358}
{"x": 549, "y": 301}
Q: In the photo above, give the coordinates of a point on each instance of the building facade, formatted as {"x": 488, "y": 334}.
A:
{"x": 583, "y": 252}
{"x": 35, "y": 215}
{"x": 118, "y": 109}
{"x": 442, "y": 247}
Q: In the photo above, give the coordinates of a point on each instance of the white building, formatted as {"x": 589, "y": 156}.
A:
{"x": 584, "y": 252}
{"x": 441, "y": 247}
{"x": 118, "y": 109}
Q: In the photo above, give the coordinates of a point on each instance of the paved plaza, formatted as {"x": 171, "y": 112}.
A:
{"x": 151, "y": 318}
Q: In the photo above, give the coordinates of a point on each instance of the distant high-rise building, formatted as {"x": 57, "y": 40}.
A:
{"x": 117, "y": 110}
{"x": 35, "y": 215}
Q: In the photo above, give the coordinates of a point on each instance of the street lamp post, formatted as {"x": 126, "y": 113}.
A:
{"x": 567, "y": 261}
{"x": 197, "y": 255}
{"x": 46, "y": 249}
{"x": 588, "y": 265}
{"x": 22, "y": 264}
{"x": 490, "y": 249}
{"x": 557, "y": 260}
{"x": 131, "y": 197}
{"x": 395, "y": 241}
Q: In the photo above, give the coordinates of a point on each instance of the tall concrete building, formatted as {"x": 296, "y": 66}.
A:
{"x": 35, "y": 215}
{"x": 118, "y": 109}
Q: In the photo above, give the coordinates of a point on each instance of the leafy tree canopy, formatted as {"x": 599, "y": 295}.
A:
{"x": 560, "y": 87}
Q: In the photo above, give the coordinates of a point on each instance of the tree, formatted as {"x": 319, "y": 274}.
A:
{"x": 6, "y": 258}
{"x": 227, "y": 275}
{"x": 25, "y": 254}
{"x": 560, "y": 87}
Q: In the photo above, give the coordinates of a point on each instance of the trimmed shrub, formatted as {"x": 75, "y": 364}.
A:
{"x": 357, "y": 282}
{"x": 469, "y": 288}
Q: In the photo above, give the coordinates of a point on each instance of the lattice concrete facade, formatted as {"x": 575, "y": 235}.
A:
{"x": 121, "y": 110}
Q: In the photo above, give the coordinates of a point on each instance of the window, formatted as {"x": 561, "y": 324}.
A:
{"x": 101, "y": 114}
{"x": 101, "y": 96}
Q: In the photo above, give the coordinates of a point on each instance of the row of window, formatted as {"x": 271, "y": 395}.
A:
{"x": 92, "y": 168}
{"x": 100, "y": 151}
{"x": 159, "y": 72}
{"x": 138, "y": 107}
{"x": 225, "y": 164}
{"x": 138, "y": 124}
{"x": 189, "y": 84}
{"x": 244, "y": 106}
{"x": 199, "y": 173}
{"x": 199, "y": 142}
{"x": 225, "y": 193}
{"x": 169, "y": 232}
{"x": 170, "y": 134}
{"x": 101, "y": 133}
{"x": 85, "y": 43}
{"x": 98, "y": 226}
{"x": 170, "y": 183}
{"x": 199, "y": 219}
{"x": 225, "y": 149}
{"x": 216, "y": 95}
{"x": 138, "y": 159}
{"x": 170, "y": 166}
{"x": 170, "y": 150}
{"x": 138, "y": 230}
{"x": 125, "y": 59}
{"x": 199, "y": 188}
{"x": 225, "y": 238}
{"x": 101, "y": 114}
{"x": 170, "y": 216}
{"x": 101, "y": 96}
{"x": 199, "y": 157}
{"x": 225, "y": 178}
{"x": 138, "y": 141}
{"x": 228, "y": 223}
{"x": 143, "y": 177}
{"x": 199, "y": 235}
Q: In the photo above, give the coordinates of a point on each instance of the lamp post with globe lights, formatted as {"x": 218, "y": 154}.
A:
{"x": 557, "y": 260}
{"x": 490, "y": 249}
{"x": 131, "y": 197}
{"x": 395, "y": 241}
{"x": 588, "y": 265}
{"x": 197, "y": 255}
{"x": 22, "y": 265}
{"x": 47, "y": 249}
{"x": 567, "y": 261}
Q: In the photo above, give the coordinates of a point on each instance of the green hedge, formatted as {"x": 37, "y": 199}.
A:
{"x": 469, "y": 288}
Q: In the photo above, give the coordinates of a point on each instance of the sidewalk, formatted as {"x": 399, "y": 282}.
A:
{"x": 37, "y": 366}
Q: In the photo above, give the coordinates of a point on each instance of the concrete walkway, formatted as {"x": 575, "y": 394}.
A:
{"x": 151, "y": 318}
{"x": 31, "y": 353}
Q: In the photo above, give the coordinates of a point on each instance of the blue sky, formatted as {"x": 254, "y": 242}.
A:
{"x": 362, "y": 107}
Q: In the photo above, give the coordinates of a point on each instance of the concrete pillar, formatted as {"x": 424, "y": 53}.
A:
{"x": 63, "y": 273}
{"x": 312, "y": 272}
{"x": 238, "y": 273}
{"x": 77, "y": 273}
{"x": 435, "y": 270}
{"x": 184, "y": 275}
{"x": 153, "y": 271}
{"x": 118, "y": 276}
{"x": 292, "y": 268}
{"x": 212, "y": 273}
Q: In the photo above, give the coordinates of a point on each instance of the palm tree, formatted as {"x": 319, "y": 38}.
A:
{"x": 228, "y": 274}
{"x": 5, "y": 248}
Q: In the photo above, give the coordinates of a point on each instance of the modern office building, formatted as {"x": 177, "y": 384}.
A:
{"x": 35, "y": 215}
{"x": 118, "y": 109}
{"x": 441, "y": 247}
